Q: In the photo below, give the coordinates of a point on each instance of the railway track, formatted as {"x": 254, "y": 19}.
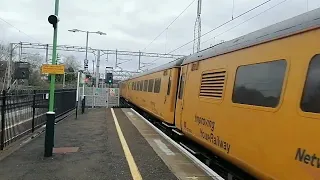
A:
{"x": 217, "y": 165}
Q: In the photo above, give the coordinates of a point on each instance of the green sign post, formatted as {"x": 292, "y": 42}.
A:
{"x": 49, "y": 136}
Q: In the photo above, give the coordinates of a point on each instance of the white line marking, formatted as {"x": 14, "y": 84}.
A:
{"x": 26, "y": 141}
{"x": 170, "y": 126}
{"x": 186, "y": 147}
{"x": 204, "y": 167}
{"x": 130, "y": 113}
{"x": 164, "y": 147}
{"x": 193, "y": 178}
{"x": 175, "y": 131}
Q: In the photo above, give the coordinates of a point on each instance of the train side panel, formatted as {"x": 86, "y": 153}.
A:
{"x": 275, "y": 139}
{"x": 155, "y": 93}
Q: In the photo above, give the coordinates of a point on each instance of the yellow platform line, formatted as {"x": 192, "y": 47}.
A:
{"x": 132, "y": 165}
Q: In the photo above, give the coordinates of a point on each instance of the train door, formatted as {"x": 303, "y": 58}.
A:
{"x": 130, "y": 88}
{"x": 127, "y": 89}
{"x": 167, "y": 95}
{"x": 179, "y": 103}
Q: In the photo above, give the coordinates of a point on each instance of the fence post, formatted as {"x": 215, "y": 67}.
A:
{"x": 108, "y": 91}
{"x": 93, "y": 99}
{"x": 76, "y": 109}
{"x": 83, "y": 103}
{"x": 33, "y": 109}
{"x": 3, "y": 111}
{"x": 77, "y": 93}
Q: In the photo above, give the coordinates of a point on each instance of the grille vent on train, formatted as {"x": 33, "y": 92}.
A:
{"x": 212, "y": 84}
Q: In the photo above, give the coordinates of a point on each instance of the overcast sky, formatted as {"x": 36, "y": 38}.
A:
{"x": 133, "y": 24}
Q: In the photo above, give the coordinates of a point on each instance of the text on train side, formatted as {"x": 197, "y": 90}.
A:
{"x": 304, "y": 157}
{"x": 216, "y": 140}
{"x": 211, "y": 137}
{"x": 205, "y": 122}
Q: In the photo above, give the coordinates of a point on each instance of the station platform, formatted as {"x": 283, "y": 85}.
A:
{"x": 111, "y": 144}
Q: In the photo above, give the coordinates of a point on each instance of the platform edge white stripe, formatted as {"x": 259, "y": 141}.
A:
{"x": 200, "y": 164}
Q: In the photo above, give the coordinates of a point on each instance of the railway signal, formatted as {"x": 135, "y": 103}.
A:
{"x": 109, "y": 78}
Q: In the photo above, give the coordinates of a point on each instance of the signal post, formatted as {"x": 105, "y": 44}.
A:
{"x": 52, "y": 70}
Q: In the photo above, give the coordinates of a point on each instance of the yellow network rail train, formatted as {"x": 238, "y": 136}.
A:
{"x": 254, "y": 100}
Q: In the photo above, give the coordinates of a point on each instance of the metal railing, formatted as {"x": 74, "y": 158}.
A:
{"x": 24, "y": 111}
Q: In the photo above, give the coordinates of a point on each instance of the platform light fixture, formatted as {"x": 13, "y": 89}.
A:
{"x": 87, "y": 40}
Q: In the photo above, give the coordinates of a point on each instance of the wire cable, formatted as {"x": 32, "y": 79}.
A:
{"x": 227, "y": 23}
{"x": 244, "y": 21}
{"x": 221, "y": 25}
{"x": 170, "y": 24}
{"x": 18, "y": 29}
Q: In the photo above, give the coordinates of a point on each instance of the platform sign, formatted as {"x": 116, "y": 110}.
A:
{"x": 112, "y": 92}
{"x": 113, "y": 97}
{"x": 82, "y": 78}
{"x": 52, "y": 69}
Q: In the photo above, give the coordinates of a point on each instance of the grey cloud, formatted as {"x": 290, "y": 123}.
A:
{"x": 132, "y": 24}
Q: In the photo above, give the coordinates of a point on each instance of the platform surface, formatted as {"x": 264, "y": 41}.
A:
{"x": 101, "y": 144}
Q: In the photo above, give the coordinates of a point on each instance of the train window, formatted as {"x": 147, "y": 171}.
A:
{"x": 157, "y": 85}
{"x": 150, "y": 85}
{"x": 133, "y": 86}
{"x": 145, "y": 85}
{"x": 169, "y": 86}
{"x": 310, "y": 101}
{"x": 181, "y": 87}
{"x": 259, "y": 84}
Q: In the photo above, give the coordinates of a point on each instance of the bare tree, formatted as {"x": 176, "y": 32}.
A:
{"x": 71, "y": 64}
{"x": 35, "y": 61}
{"x": 4, "y": 52}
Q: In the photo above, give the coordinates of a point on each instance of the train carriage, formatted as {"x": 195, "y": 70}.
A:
{"x": 255, "y": 100}
{"x": 155, "y": 91}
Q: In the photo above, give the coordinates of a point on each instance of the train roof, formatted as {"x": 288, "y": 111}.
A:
{"x": 279, "y": 30}
{"x": 169, "y": 65}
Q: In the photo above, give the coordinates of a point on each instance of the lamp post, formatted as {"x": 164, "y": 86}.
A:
{"x": 87, "y": 40}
